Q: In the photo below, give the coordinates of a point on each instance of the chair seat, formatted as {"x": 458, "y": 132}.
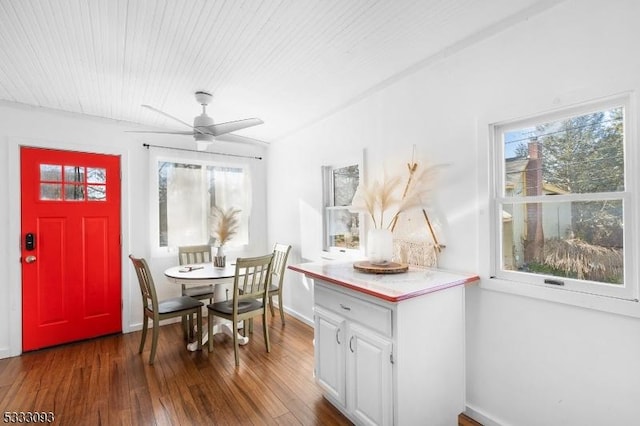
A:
{"x": 178, "y": 304}
{"x": 204, "y": 291}
{"x": 245, "y": 305}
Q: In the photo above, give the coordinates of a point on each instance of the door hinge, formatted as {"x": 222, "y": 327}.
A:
{"x": 391, "y": 360}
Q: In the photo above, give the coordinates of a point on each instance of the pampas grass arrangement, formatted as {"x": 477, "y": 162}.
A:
{"x": 225, "y": 224}
{"x": 385, "y": 200}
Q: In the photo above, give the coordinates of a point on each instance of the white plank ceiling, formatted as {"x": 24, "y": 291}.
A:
{"x": 289, "y": 62}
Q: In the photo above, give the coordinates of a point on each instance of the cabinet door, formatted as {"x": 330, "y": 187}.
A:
{"x": 369, "y": 387}
{"x": 329, "y": 351}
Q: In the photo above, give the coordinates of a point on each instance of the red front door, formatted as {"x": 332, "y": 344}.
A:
{"x": 71, "y": 271}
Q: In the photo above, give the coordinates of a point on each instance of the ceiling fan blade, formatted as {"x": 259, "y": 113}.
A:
{"x": 172, "y": 117}
{"x": 229, "y": 137}
{"x": 232, "y": 126}
{"x": 160, "y": 132}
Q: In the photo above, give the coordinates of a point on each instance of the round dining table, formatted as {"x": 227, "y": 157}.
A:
{"x": 208, "y": 274}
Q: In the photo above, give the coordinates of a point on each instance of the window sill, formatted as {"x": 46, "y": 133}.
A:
{"x": 612, "y": 305}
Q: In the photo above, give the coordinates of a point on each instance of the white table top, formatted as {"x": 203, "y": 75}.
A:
{"x": 391, "y": 287}
{"x": 200, "y": 271}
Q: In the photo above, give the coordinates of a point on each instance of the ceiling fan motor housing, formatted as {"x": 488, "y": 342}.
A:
{"x": 202, "y": 120}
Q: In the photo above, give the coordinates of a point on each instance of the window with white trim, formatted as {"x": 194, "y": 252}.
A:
{"x": 562, "y": 199}
{"x": 188, "y": 189}
{"x": 342, "y": 227}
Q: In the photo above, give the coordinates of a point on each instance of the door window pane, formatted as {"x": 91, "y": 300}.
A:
{"x": 97, "y": 192}
{"x": 50, "y": 173}
{"x": 74, "y": 174}
{"x": 51, "y": 191}
{"x": 73, "y": 192}
{"x": 96, "y": 175}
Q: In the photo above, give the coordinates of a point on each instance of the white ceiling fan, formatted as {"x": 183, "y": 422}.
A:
{"x": 205, "y": 131}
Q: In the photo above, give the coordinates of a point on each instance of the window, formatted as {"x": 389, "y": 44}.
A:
{"x": 342, "y": 228}
{"x": 561, "y": 201}
{"x": 72, "y": 183}
{"x": 187, "y": 191}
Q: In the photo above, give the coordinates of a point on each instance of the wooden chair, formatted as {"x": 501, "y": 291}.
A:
{"x": 156, "y": 311}
{"x": 250, "y": 286}
{"x": 196, "y": 254}
{"x": 280, "y": 255}
{"x": 188, "y": 255}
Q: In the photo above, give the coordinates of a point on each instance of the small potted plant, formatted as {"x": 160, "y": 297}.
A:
{"x": 224, "y": 225}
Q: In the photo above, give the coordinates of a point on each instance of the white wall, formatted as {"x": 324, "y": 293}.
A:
{"x": 529, "y": 362}
{"x": 22, "y": 125}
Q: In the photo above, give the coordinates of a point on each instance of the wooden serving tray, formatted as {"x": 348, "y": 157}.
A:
{"x": 388, "y": 268}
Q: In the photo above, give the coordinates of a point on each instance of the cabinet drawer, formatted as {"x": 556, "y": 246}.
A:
{"x": 375, "y": 317}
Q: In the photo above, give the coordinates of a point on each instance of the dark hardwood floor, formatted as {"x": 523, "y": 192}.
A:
{"x": 105, "y": 381}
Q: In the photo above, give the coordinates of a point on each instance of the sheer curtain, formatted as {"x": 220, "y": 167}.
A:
{"x": 187, "y": 189}
{"x": 231, "y": 188}
{"x": 186, "y": 206}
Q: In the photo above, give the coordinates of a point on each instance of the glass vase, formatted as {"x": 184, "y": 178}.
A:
{"x": 379, "y": 246}
{"x": 219, "y": 260}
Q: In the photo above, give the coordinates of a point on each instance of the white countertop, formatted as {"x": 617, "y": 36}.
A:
{"x": 391, "y": 287}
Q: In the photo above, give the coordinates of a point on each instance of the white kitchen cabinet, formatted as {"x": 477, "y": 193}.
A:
{"x": 390, "y": 350}
{"x": 353, "y": 367}
{"x": 369, "y": 366}
{"x": 329, "y": 355}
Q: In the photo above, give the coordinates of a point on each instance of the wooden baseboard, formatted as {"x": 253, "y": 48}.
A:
{"x": 464, "y": 420}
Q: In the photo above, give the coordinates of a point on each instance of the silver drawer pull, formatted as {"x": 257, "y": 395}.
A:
{"x": 351, "y": 347}
{"x": 346, "y": 308}
{"x": 338, "y": 336}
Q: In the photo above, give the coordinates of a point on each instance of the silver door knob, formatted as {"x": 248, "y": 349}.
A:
{"x": 30, "y": 259}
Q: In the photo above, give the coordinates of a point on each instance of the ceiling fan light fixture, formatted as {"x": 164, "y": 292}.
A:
{"x": 202, "y": 146}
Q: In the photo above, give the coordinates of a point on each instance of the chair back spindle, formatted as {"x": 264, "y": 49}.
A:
{"x": 147, "y": 287}
{"x": 276, "y": 281}
{"x": 188, "y": 255}
{"x": 254, "y": 278}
